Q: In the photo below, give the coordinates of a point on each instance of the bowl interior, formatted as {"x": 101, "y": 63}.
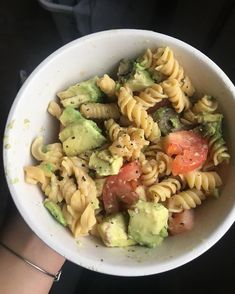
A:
{"x": 95, "y": 55}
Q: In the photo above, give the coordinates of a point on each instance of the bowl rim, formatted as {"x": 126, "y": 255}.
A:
{"x": 87, "y": 262}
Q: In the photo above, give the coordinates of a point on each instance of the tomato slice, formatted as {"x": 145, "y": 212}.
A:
{"x": 181, "y": 222}
{"x": 191, "y": 151}
{"x": 119, "y": 190}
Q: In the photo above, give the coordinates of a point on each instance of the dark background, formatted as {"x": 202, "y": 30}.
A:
{"x": 28, "y": 34}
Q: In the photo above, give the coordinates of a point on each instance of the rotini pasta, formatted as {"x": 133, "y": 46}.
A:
{"x": 149, "y": 172}
{"x": 203, "y": 180}
{"x": 176, "y": 96}
{"x": 186, "y": 200}
{"x": 164, "y": 163}
{"x": 164, "y": 190}
{"x": 54, "y": 109}
{"x": 150, "y": 96}
{"x": 100, "y": 111}
{"x": 136, "y": 113}
{"x": 218, "y": 151}
{"x": 107, "y": 85}
{"x": 151, "y": 151}
{"x": 205, "y": 104}
{"x": 169, "y": 66}
{"x": 113, "y": 129}
{"x": 50, "y": 153}
{"x": 147, "y": 59}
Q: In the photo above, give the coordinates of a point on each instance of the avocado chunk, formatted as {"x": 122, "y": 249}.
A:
{"x": 81, "y": 136}
{"x": 75, "y": 95}
{"x": 113, "y": 231}
{"x": 70, "y": 115}
{"x": 55, "y": 211}
{"x": 148, "y": 223}
{"x": 134, "y": 75}
{"x": 168, "y": 120}
{"x": 104, "y": 163}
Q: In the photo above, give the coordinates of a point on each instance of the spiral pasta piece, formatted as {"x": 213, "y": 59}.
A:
{"x": 34, "y": 175}
{"x": 165, "y": 189}
{"x": 113, "y": 129}
{"x": 54, "y": 109}
{"x": 107, "y": 85}
{"x": 100, "y": 111}
{"x": 52, "y": 189}
{"x": 218, "y": 151}
{"x": 206, "y": 104}
{"x": 167, "y": 64}
{"x": 203, "y": 180}
{"x": 147, "y": 59}
{"x": 186, "y": 200}
{"x": 150, "y": 96}
{"x": 189, "y": 118}
{"x": 50, "y": 153}
{"x": 176, "y": 96}
{"x": 151, "y": 151}
{"x": 135, "y": 112}
{"x": 149, "y": 172}
{"x": 164, "y": 163}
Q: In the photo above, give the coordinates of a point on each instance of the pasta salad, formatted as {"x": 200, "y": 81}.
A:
{"x": 136, "y": 153}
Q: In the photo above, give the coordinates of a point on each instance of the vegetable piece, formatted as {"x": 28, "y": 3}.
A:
{"x": 133, "y": 75}
{"x": 55, "y": 211}
{"x": 148, "y": 223}
{"x": 105, "y": 163}
{"x": 181, "y": 222}
{"x": 190, "y": 148}
{"x": 168, "y": 120}
{"x": 113, "y": 231}
{"x": 119, "y": 190}
{"x": 81, "y": 136}
{"x": 75, "y": 95}
{"x": 70, "y": 115}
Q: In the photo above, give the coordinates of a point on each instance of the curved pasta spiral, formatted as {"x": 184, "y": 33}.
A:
{"x": 218, "y": 151}
{"x": 54, "y": 109}
{"x": 50, "y": 153}
{"x": 52, "y": 189}
{"x": 165, "y": 189}
{"x": 169, "y": 66}
{"x": 205, "y": 104}
{"x": 151, "y": 151}
{"x": 189, "y": 117}
{"x": 113, "y": 129}
{"x": 150, "y": 96}
{"x": 186, "y": 200}
{"x": 203, "y": 180}
{"x": 130, "y": 144}
{"x": 149, "y": 171}
{"x": 164, "y": 163}
{"x": 107, "y": 85}
{"x": 147, "y": 59}
{"x": 135, "y": 112}
{"x": 34, "y": 175}
{"x": 68, "y": 163}
{"x": 176, "y": 96}
{"x": 100, "y": 111}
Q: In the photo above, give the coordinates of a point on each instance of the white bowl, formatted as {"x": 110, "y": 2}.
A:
{"x": 97, "y": 54}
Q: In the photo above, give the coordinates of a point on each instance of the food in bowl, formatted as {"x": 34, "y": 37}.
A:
{"x": 138, "y": 152}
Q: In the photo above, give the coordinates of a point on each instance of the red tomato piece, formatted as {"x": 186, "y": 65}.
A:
{"x": 191, "y": 151}
{"x": 181, "y": 222}
{"x": 120, "y": 189}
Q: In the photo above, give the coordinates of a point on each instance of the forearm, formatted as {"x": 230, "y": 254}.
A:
{"x": 16, "y": 276}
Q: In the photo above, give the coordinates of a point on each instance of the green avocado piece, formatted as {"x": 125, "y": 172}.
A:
{"x": 148, "y": 223}
{"x": 81, "y": 136}
{"x": 168, "y": 120}
{"x": 139, "y": 79}
{"x": 113, "y": 231}
{"x": 75, "y": 95}
{"x": 55, "y": 211}
{"x": 70, "y": 115}
{"x": 105, "y": 163}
